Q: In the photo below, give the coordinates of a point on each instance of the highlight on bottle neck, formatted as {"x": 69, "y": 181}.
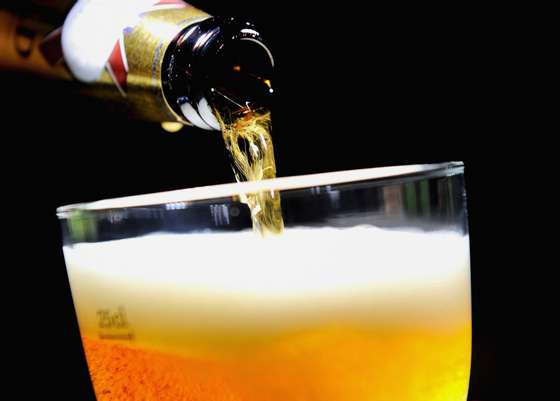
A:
{"x": 218, "y": 63}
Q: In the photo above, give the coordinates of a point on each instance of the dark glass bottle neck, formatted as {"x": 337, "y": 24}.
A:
{"x": 220, "y": 63}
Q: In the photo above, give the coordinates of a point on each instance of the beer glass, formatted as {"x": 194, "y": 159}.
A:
{"x": 364, "y": 296}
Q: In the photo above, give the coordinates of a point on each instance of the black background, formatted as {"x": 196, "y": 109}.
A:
{"x": 354, "y": 88}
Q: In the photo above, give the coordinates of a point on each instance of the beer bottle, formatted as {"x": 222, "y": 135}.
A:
{"x": 165, "y": 59}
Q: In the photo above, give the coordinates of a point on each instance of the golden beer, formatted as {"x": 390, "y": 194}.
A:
{"x": 326, "y": 314}
{"x": 248, "y": 138}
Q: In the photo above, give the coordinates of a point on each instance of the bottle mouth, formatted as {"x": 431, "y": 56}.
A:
{"x": 219, "y": 64}
{"x": 241, "y": 77}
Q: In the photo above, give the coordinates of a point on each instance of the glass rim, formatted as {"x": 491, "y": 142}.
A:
{"x": 275, "y": 184}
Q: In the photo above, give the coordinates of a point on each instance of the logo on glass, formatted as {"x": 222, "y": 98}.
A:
{"x": 113, "y": 324}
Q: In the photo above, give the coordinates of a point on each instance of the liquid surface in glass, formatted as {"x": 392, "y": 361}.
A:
{"x": 355, "y": 314}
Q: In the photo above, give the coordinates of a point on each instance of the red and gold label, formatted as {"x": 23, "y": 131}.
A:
{"x": 118, "y": 46}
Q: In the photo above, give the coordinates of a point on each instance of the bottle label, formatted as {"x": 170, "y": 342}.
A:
{"x": 94, "y": 33}
{"x": 123, "y": 43}
{"x": 116, "y": 45}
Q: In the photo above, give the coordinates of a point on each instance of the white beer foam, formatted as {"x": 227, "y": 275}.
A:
{"x": 219, "y": 279}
